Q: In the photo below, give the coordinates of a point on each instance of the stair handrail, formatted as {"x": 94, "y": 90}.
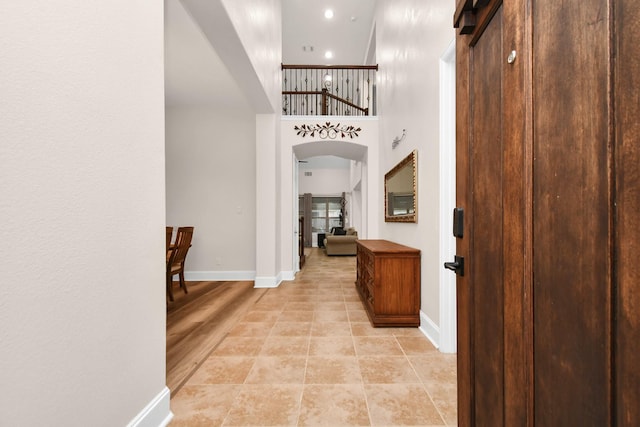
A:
{"x": 354, "y": 81}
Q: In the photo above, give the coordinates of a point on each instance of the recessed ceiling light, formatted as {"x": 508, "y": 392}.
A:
{"x": 328, "y": 13}
{"x": 328, "y": 54}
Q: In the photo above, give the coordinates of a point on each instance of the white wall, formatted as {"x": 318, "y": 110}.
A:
{"x": 82, "y": 307}
{"x": 324, "y": 182}
{"x": 411, "y": 35}
{"x": 258, "y": 24}
{"x": 247, "y": 36}
{"x": 211, "y": 184}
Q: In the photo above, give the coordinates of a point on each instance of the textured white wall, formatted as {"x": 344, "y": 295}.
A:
{"x": 411, "y": 35}
{"x": 82, "y": 306}
{"x": 324, "y": 182}
{"x": 259, "y": 26}
{"x": 211, "y": 184}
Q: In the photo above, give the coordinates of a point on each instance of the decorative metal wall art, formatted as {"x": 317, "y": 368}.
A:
{"x": 327, "y": 130}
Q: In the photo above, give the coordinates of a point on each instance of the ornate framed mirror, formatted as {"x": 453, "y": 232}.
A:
{"x": 400, "y": 191}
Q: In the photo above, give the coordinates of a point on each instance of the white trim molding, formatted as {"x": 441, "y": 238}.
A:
{"x": 447, "y": 280}
{"x": 157, "y": 413}
{"x": 288, "y": 275}
{"x": 430, "y": 330}
{"x": 219, "y": 276}
{"x": 267, "y": 282}
{"x": 240, "y": 276}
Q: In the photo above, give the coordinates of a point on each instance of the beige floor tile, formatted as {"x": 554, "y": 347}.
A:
{"x": 358, "y": 316}
{"x": 330, "y": 306}
{"x": 285, "y": 346}
{"x": 291, "y": 329}
{"x": 309, "y": 298}
{"x": 335, "y": 296}
{"x": 296, "y": 316}
{"x": 387, "y": 370}
{"x": 251, "y": 329}
{"x": 291, "y": 288}
{"x": 265, "y": 405}
{"x": 364, "y": 329}
{"x": 299, "y": 306}
{"x": 333, "y": 405}
{"x": 329, "y": 280}
{"x": 277, "y": 370}
{"x": 330, "y": 329}
{"x": 202, "y": 405}
{"x": 401, "y": 404}
{"x": 330, "y": 316}
{"x": 222, "y": 370}
{"x": 416, "y": 345}
{"x": 445, "y": 397}
{"x": 239, "y": 346}
{"x": 377, "y": 346}
{"x": 408, "y": 332}
{"x": 354, "y": 305}
{"x": 331, "y": 346}
{"x": 332, "y": 370}
{"x": 436, "y": 369}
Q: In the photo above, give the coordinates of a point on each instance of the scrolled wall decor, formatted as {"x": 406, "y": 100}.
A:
{"x": 327, "y": 130}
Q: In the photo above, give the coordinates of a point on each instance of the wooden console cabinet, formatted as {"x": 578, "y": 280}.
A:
{"x": 388, "y": 281}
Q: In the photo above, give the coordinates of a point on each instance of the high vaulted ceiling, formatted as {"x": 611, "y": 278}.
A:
{"x": 347, "y": 34}
{"x": 195, "y": 75}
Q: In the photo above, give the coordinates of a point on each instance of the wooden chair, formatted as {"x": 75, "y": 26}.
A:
{"x": 177, "y": 257}
{"x": 169, "y": 235}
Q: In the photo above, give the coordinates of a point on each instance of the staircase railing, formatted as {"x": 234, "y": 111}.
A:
{"x": 341, "y": 90}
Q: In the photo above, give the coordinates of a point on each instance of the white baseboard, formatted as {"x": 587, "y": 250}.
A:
{"x": 157, "y": 413}
{"x": 219, "y": 276}
{"x": 430, "y": 329}
{"x": 238, "y": 276}
{"x": 267, "y": 282}
{"x": 288, "y": 275}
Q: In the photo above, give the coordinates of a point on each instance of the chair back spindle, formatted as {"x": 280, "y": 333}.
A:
{"x": 177, "y": 259}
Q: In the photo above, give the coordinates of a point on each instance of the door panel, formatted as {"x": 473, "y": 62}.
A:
{"x": 487, "y": 247}
{"x": 627, "y": 349}
{"x": 572, "y": 291}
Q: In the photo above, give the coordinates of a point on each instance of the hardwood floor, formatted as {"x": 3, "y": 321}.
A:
{"x": 199, "y": 321}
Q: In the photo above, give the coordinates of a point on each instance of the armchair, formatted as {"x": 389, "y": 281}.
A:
{"x": 342, "y": 244}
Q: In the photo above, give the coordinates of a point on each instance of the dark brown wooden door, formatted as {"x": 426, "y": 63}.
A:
{"x": 486, "y": 262}
{"x": 626, "y": 95}
{"x": 491, "y": 359}
{"x": 548, "y": 173}
{"x": 572, "y": 271}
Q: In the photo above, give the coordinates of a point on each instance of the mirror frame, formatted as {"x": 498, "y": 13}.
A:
{"x": 410, "y": 161}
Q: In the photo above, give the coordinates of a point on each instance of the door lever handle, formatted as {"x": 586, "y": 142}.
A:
{"x": 457, "y": 266}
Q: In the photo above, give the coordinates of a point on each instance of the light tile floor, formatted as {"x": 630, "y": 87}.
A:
{"x": 306, "y": 355}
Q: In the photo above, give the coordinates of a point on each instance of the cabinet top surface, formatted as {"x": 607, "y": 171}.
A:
{"x": 386, "y": 246}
